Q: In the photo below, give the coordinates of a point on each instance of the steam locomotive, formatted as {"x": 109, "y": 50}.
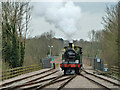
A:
{"x": 72, "y": 59}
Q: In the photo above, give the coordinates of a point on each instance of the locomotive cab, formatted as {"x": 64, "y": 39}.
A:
{"x": 72, "y": 59}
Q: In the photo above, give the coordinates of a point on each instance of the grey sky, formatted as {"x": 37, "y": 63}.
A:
{"x": 90, "y": 18}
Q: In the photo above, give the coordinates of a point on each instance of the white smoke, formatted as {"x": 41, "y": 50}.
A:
{"x": 64, "y": 16}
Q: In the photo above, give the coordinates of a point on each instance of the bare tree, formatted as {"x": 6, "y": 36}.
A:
{"x": 14, "y": 27}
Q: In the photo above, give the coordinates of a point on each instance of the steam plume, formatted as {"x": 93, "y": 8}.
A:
{"x": 65, "y": 17}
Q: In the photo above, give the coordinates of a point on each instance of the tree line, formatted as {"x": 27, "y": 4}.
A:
{"x": 37, "y": 48}
{"x": 15, "y": 21}
{"x": 104, "y": 43}
{"x": 17, "y": 50}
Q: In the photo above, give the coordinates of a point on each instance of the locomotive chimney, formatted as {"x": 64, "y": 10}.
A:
{"x": 70, "y": 44}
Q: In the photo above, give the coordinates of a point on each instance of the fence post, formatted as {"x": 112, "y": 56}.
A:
{"x": 93, "y": 63}
{"x": 102, "y": 65}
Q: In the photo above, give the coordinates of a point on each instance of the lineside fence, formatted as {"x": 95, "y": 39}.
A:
{"x": 115, "y": 71}
{"x": 102, "y": 68}
{"x": 19, "y": 71}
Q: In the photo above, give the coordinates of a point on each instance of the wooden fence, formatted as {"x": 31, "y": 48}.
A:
{"x": 115, "y": 71}
{"x": 19, "y": 70}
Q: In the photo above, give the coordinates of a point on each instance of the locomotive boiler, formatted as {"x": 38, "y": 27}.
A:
{"x": 72, "y": 59}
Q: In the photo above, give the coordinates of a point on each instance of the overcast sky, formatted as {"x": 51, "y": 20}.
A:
{"x": 66, "y": 18}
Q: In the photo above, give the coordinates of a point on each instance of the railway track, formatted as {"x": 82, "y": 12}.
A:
{"x": 47, "y": 82}
{"x": 33, "y": 85}
{"x": 58, "y": 80}
{"x": 65, "y": 83}
{"x": 102, "y": 82}
{"x": 65, "y": 80}
{"x": 10, "y": 85}
{"x": 10, "y": 82}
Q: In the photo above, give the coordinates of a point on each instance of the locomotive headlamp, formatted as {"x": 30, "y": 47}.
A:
{"x": 63, "y": 60}
{"x": 77, "y": 61}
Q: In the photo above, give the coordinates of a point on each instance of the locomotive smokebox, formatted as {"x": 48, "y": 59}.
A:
{"x": 70, "y": 44}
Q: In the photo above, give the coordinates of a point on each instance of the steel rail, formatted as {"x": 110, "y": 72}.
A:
{"x": 28, "y": 84}
{"x": 95, "y": 82}
{"x": 31, "y": 81}
{"x": 43, "y": 85}
{"x": 7, "y": 83}
{"x": 64, "y": 84}
{"x": 102, "y": 78}
{"x": 42, "y": 76}
{"x": 52, "y": 82}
